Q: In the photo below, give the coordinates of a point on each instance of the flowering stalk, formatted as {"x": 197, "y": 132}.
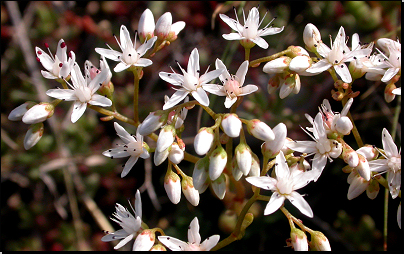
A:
{"x": 137, "y": 76}
{"x": 257, "y": 62}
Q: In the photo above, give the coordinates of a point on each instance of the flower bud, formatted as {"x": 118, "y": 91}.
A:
{"x": 17, "y": 113}
{"x": 146, "y": 26}
{"x": 176, "y": 154}
{"x": 311, "y": 37}
{"x": 38, "y": 113}
{"x": 277, "y": 65}
{"x": 319, "y": 242}
{"x": 343, "y": 124}
{"x": 144, "y": 241}
{"x": 363, "y": 167}
{"x": 388, "y": 92}
{"x": 297, "y": 51}
{"x": 203, "y": 140}
{"x": 166, "y": 138}
{"x": 271, "y": 148}
{"x": 163, "y": 26}
{"x": 349, "y": 155}
{"x": 217, "y": 162}
{"x": 200, "y": 174}
{"x": 299, "y": 240}
{"x": 369, "y": 152}
{"x": 190, "y": 193}
{"x": 158, "y": 247}
{"x": 373, "y": 189}
{"x": 231, "y": 125}
{"x": 357, "y": 185}
{"x": 300, "y": 63}
{"x": 219, "y": 186}
{"x": 160, "y": 157}
{"x": 255, "y": 166}
{"x": 260, "y": 130}
{"x": 174, "y": 30}
{"x": 33, "y": 135}
{"x": 273, "y": 83}
{"x": 172, "y": 185}
{"x": 291, "y": 83}
{"x": 243, "y": 158}
{"x": 152, "y": 122}
{"x": 236, "y": 172}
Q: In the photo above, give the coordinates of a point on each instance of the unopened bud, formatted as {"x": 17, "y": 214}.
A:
{"x": 231, "y": 125}
{"x": 176, "y": 154}
{"x": 343, "y": 125}
{"x": 33, "y": 135}
{"x": 146, "y": 26}
{"x": 388, "y": 92}
{"x": 203, "y": 140}
{"x": 152, "y": 122}
{"x": 271, "y": 148}
{"x": 158, "y": 247}
{"x": 190, "y": 193}
{"x": 217, "y": 162}
{"x": 166, "y": 138}
{"x": 363, "y": 167}
{"x": 349, "y": 155}
{"x": 160, "y": 157}
{"x": 38, "y": 113}
{"x": 297, "y": 51}
{"x": 300, "y": 63}
{"x": 299, "y": 240}
{"x": 277, "y": 65}
{"x": 291, "y": 83}
{"x": 163, "y": 26}
{"x": 373, "y": 189}
{"x": 319, "y": 242}
{"x": 260, "y": 130}
{"x": 273, "y": 83}
{"x": 17, "y": 113}
{"x": 200, "y": 174}
{"x": 172, "y": 185}
{"x": 243, "y": 158}
{"x": 145, "y": 240}
{"x": 219, "y": 186}
{"x": 369, "y": 152}
{"x": 311, "y": 37}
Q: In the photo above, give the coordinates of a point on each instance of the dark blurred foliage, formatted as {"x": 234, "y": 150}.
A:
{"x": 35, "y": 210}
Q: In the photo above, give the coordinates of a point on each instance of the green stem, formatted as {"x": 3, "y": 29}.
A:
{"x": 111, "y": 113}
{"x": 256, "y": 62}
{"x": 355, "y": 131}
{"x": 247, "y": 53}
{"x": 136, "y": 74}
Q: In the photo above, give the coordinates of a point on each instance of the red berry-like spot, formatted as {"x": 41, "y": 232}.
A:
{"x": 38, "y": 59}
{"x": 46, "y": 45}
{"x": 63, "y": 44}
{"x": 39, "y": 52}
{"x": 70, "y": 54}
{"x": 60, "y": 65}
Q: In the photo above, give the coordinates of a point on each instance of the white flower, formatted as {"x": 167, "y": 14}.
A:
{"x": 232, "y": 86}
{"x": 130, "y": 56}
{"x": 82, "y": 92}
{"x": 312, "y": 37}
{"x": 249, "y": 33}
{"x": 231, "y": 125}
{"x": 133, "y": 147}
{"x": 57, "y": 67}
{"x": 336, "y": 121}
{"x": 284, "y": 185}
{"x": 337, "y": 56}
{"x": 321, "y": 147}
{"x": 194, "y": 240}
{"x": 393, "y": 60}
{"x": 189, "y": 82}
{"x": 131, "y": 225}
{"x": 391, "y": 163}
{"x": 203, "y": 140}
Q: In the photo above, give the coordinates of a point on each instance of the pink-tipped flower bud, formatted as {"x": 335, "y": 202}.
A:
{"x": 231, "y": 125}
{"x": 190, "y": 193}
{"x": 255, "y": 166}
{"x": 277, "y": 65}
{"x": 203, "y": 140}
{"x": 163, "y": 26}
{"x": 17, "y": 113}
{"x": 297, "y": 51}
{"x": 200, "y": 174}
{"x": 33, "y": 135}
{"x": 152, "y": 122}
{"x": 300, "y": 64}
{"x": 176, "y": 154}
{"x": 291, "y": 83}
{"x": 166, "y": 138}
{"x": 388, "y": 92}
{"x": 299, "y": 240}
{"x": 217, "y": 162}
{"x": 243, "y": 158}
{"x": 146, "y": 26}
{"x": 219, "y": 186}
{"x": 369, "y": 152}
{"x": 311, "y": 37}
{"x": 342, "y": 124}
{"x": 38, "y": 113}
{"x": 260, "y": 130}
{"x": 174, "y": 30}
{"x": 144, "y": 241}
{"x": 373, "y": 189}
{"x": 172, "y": 185}
{"x": 319, "y": 242}
{"x": 357, "y": 185}
{"x": 349, "y": 155}
{"x": 236, "y": 172}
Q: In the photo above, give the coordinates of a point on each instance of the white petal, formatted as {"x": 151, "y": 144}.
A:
{"x": 343, "y": 71}
{"x": 263, "y": 182}
{"x": 248, "y": 89}
{"x": 116, "y": 153}
{"x": 319, "y": 67}
{"x": 232, "y": 36}
{"x": 146, "y": 46}
{"x": 302, "y": 146}
{"x": 193, "y": 63}
{"x": 78, "y": 111}
{"x": 205, "y": 78}
{"x": 242, "y": 71}
{"x": 100, "y": 100}
{"x": 124, "y": 241}
{"x": 48, "y": 75}
{"x": 297, "y": 200}
{"x": 215, "y": 89}
{"x": 119, "y": 234}
{"x": 178, "y": 96}
{"x": 109, "y": 53}
{"x": 62, "y": 94}
{"x": 123, "y": 134}
{"x": 172, "y": 243}
{"x": 389, "y": 74}
{"x": 319, "y": 162}
{"x": 229, "y": 102}
{"x": 177, "y": 27}
{"x": 124, "y": 38}
{"x": 275, "y": 202}
{"x": 260, "y": 42}
{"x": 388, "y": 144}
{"x": 232, "y": 23}
{"x": 121, "y": 67}
{"x": 210, "y": 242}
{"x": 220, "y": 65}
{"x": 44, "y": 59}
{"x": 129, "y": 165}
{"x": 270, "y": 31}
{"x": 143, "y": 62}
{"x": 201, "y": 96}
{"x": 193, "y": 232}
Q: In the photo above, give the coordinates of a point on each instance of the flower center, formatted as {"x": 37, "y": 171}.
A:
{"x": 193, "y": 247}
{"x": 130, "y": 56}
{"x": 284, "y": 187}
{"x": 335, "y": 56}
{"x": 323, "y": 145}
{"x": 395, "y": 164}
{"x": 135, "y": 148}
{"x": 250, "y": 30}
{"x": 56, "y": 67}
{"x": 83, "y": 94}
{"x": 232, "y": 88}
{"x": 191, "y": 82}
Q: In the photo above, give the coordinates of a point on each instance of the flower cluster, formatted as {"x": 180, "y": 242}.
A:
{"x": 223, "y": 164}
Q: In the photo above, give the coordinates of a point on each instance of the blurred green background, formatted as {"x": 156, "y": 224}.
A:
{"x": 60, "y": 194}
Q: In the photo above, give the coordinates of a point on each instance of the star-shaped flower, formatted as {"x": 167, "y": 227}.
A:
{"x": 82, "y": 92}
{"x": 393, "y": 60}
{"x": 131, "y": 225}
{"x": 194, "y": 240}
{"x": 337, "y": 56}
{"x": 57, "y": 67}
{"x": 284, "y": 185}
{"x": 249, "y": 33}
{"x": 321, "y": 147}
{"x": 232, "y": 86}
{"x": 132, "y": 148}
{"x": 130, "y": 56}
{"x": 391, "y": 163}
{"x": 189, "y": 82}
